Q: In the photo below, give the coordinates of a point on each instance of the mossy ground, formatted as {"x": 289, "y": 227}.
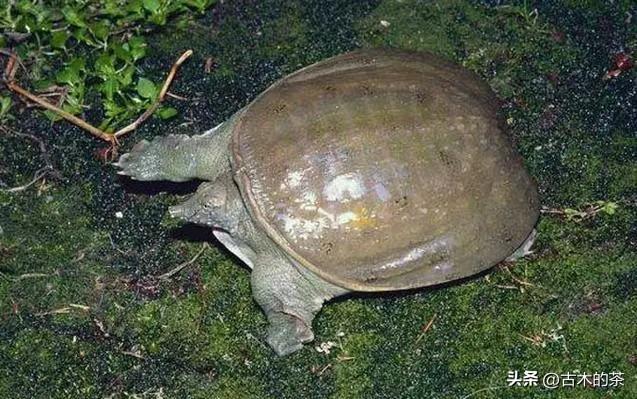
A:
{"x": 83, "y": 313}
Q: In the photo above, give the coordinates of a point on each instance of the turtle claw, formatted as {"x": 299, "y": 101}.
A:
{"x": 287, "y": 334}
{"x": 141, "y": 163}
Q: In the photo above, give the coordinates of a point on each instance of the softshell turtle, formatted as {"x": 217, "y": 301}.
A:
{"x": 375, "y": 170}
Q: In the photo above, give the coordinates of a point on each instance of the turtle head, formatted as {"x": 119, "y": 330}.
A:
{"x": 209, "y": 206}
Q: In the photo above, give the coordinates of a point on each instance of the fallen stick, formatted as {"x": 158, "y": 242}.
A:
{"x": 9, "y": 81}
{"x": 69, "y": 117}
{"x": 426, "y": 328}
{"x": 180, "y": 267}
{"x": 38, "y": 175}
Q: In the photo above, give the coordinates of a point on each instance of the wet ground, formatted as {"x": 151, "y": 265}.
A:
{"x": 84, "y": 314}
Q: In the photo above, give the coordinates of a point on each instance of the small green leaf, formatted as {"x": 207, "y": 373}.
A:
{"x": 122, "y": 51}
{"x": 101, "y": 30}
{"x": 113, "y": 109}
{"x": 200, "y": 5}
{"x": 59, "y": 38}
{"x": 152, "y": 5}
{"x": 104, "y": 66}
{"x": 73, "y": 17}
{"x": 110, "y": 87}
{"x": 78, "y": 65}
{"x": 5, "y": 104}
{"x": 146, "y": 88}
{"x": 72, "y": 108}
{"x": 134, "y": 6}
{"x": 104, "y": 124}
{"x": 71, "y": 74}
{"x": 52, "y": 116}
{"x": 42, "y": 84}
{"x": 167, "y": 113}
{"x": 137, "y": 47}
{"x": 158, "y": 18}
{"x": 125, "y": 77}
{"x": 82, "y": 35}
{"x": 610, "y": 208}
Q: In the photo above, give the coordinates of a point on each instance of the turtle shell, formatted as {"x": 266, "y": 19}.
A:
{"x": 384, "y": 170}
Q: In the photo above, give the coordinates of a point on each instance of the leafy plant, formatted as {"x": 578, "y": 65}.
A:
{"x": 82, "y": 47}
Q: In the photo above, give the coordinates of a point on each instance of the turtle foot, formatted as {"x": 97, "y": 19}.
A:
{"x": 287, "y": 333}
{"x": 139, "y": 163}
{"x": 165, "y": 158}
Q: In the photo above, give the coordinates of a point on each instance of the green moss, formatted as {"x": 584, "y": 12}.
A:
{"x": 354, "y": 377}
{"x": 38, "y": 373}
{"x": 44, "y": 240}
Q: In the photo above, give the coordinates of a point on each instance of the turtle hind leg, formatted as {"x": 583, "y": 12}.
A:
{"x": 177, "y": 158}
{"x": 290, "y": 300}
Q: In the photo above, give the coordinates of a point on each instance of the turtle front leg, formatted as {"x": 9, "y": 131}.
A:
{"x": 178, "y": 158}
{"x": 290, "y": 299}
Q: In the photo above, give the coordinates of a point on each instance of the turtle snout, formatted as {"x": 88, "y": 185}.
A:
{"x": 189, "y": 213}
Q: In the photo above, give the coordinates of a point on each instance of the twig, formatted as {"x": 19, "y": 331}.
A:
{"x": 324, "y": 369}
{"x": 535, "y": 340}
{"x": 69, "y": 117}
{"x": 9, "y": 81}
{"x": 38, "y": 175}
{"x": 133, "y": 354}
{"x": 175, "y": 96}
{"x": 179, "y": 268}
{"x": 506, "y": 287}
{"x": 63, "y": 310}
{"x": 587, "y": 211}
{"x": 158, "y": 100}
{"x": 32, "y": 275}
{"x": 517, "y": 280}
{"x": 24, "y": 276}
{"x": 11, "y": 69}
{"x": 427, "y": 327}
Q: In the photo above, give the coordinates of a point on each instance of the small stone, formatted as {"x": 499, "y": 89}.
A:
{"x": 384, "y": 24}
{"x": 119, "y": 215}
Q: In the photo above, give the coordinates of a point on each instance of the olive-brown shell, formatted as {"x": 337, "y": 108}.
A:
{"x": 384, "y": 170}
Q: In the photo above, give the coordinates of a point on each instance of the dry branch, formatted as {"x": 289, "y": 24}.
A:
{"x": 9, "y": 81}
{"x": 426, "y": 328}
{"x": 180, "y": 267}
